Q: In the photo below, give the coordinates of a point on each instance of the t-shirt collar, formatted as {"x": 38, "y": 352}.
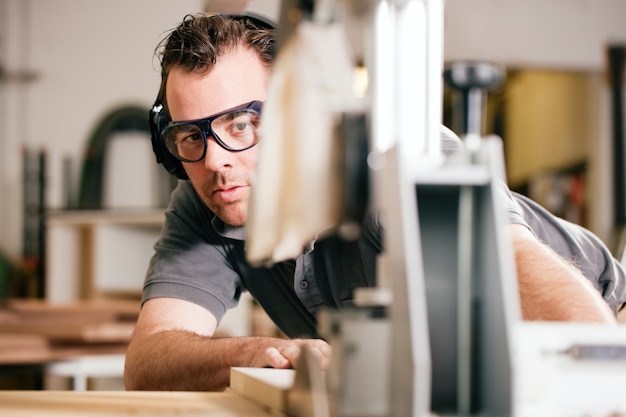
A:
{"x": 228, "y": 231}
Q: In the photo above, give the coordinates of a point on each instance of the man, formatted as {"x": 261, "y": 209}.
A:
{"x": 217, "y": 69}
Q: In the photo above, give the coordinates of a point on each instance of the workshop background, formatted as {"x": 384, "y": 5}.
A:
{"x": 81, "y": 198}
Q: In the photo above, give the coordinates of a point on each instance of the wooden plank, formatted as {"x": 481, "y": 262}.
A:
{"x": 10, "y": 341}
{"x": 266, "y": 386}
{"x": 36, "y": 332}
{"x": 97, "y": 321}
{"x": 23, "y": 348}
{"x": 84, "y": 333}
{"x": 109, "y": 403}
{"x": 107, "y": 307}
{"x": 42, "y": 355}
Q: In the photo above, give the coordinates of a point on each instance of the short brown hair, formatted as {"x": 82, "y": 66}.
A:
{"x": 200, "y": 40}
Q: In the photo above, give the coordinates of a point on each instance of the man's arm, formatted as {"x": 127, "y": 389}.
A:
{"x": 172, "y": 348}
{"x": 550, "y": 287}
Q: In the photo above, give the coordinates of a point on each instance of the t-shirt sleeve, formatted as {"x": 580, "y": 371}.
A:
{"x": 191, "y": 261}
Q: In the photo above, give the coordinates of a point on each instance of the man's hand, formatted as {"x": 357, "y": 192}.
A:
{"x": 286, "y": 355}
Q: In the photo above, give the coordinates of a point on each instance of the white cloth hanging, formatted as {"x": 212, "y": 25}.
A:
{"x": 298, "y": 180}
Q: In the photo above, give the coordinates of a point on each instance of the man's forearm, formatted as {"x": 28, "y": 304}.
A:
{"x": 552, "y": 289}
{"x": 178, "y": 360}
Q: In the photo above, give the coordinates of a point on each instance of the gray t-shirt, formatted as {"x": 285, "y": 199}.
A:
{"x": 200, "y": 259}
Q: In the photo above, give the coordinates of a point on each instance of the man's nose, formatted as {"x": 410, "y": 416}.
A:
{"x": 216, "y": 156}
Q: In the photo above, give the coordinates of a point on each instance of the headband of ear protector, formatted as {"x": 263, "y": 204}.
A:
{"x": 158, "y": 118}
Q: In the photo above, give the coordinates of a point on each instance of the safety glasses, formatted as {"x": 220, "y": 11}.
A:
{"x": 235, "y": 130}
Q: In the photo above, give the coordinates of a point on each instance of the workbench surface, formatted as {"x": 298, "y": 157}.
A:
{"x": 129, "y": 403}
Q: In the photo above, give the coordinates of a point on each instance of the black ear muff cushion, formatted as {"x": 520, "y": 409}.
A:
{"x": 158, "y": 119}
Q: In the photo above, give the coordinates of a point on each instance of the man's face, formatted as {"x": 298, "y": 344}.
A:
{"x": 222, "y": 178}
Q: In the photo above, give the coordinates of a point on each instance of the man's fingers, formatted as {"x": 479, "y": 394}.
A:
{"x": 276, "y": 359}
{"x": 325, "y": 349}
{"x": 289, "y": 354}
{"x": 322, "y": 354}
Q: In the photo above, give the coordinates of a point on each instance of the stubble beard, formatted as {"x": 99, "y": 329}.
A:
{"x": 232, "y": 213}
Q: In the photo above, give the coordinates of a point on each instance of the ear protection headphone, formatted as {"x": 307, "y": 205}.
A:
{"x": 158, "y": 117}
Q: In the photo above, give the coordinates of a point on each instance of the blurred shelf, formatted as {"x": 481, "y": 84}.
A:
{"x": 132, "y": 217}
{"x": 99, "y": 253}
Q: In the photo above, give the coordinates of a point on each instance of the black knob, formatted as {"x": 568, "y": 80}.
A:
{"x": 464, "y": 75}
{"x": 471, "y": 80}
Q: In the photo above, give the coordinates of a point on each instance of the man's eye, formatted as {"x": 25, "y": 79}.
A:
{"x": 189, "y": 139}
{"x": 243, "y": 123}
{"x": 240, "y": 127}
